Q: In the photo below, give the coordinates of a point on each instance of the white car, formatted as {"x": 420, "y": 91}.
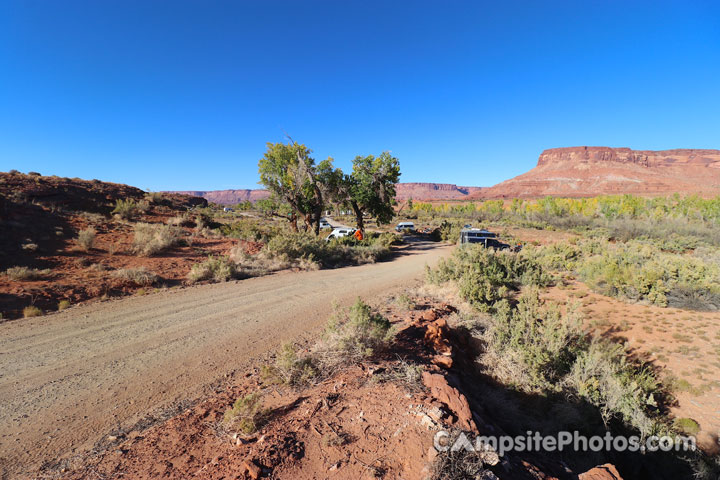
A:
{"x": 340, "y": 232}
{"x": 324, "y": 224}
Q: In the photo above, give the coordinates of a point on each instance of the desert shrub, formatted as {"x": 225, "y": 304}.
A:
{"x": 152, "y": 238}
{"x": 250, "y": 229}
{"x": 140, "y": 277}
{"x": 86, "y": 238}
{"x": 246, "y": 413}
{"x": 154, "y": 197}
{"x": 292, "y": 369}
{"x": 543, "y": 340}
{"x": 181, "y": 221}
{"x": 687, "y": 426}
{"x": 484, "y": 276}
{"x": 537, "y": 347}
{"x": 32, "y": 311}
{"x": 129, "y": 208}
{"x": 308, "y": 247}
{"x": 353, "y": 335}
{"x": 30, "y": 246}
{"x": 639, "y": 271}
{"x": 63, "y": 304}
{"x": 461, "y": 463}
{"x": 450, "y": 231}
{"x": 603, "y": 376}
{"x": 217, "y": 269}
{"x": 26, "y": 274}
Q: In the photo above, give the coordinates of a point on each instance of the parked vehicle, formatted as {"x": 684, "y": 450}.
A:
{"x": 484, "y": 237}
{"x": 340, "y": 232}
{"x": 404, "y": 226}
{"x": 324, "y": 224}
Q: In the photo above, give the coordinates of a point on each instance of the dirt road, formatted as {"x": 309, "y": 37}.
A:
{"x": 69, "y": 380}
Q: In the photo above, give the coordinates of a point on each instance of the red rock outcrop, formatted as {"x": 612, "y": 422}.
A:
{"x": 590, "y": 171}
{"x": 602, "y": 472}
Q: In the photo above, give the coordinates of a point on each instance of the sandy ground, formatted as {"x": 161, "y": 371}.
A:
{"x": 70, "y": 379}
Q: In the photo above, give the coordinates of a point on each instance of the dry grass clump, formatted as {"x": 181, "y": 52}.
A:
{"x": 86, "y": 238}
{"x": 352, "y": 335}
{"x": 20, "y": 274}
{"x": 32, "y": 311}
{"x": 152, "y": 238}
{"x": 291, "y": 369}
{"x": 63, "y": 304}
{"x": 181, "y": 221}
{"x": 140, "y": 277}
{"x": 130, "y": 208}
{"x": 217, "y": 269}
{"x": 246, "y": 414}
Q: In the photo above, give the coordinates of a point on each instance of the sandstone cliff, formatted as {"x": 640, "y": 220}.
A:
{"x": 589, "y": 171}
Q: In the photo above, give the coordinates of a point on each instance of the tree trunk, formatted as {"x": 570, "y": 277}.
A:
{"x": 293, "y": 222}
{"x": 358, "y": 217}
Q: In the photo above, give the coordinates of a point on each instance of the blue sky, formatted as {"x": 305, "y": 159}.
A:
{"x": 185, "y": 94}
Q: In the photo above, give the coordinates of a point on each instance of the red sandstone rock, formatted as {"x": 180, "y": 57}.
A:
{"x": 602, "y": 472}
{"x": 450, "y": 396}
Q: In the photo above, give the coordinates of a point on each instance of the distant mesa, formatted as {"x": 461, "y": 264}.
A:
{"x": 405, "y": 191}
{"x": 590, "y": 171}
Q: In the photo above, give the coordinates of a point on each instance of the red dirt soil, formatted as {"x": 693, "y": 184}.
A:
{"x": 40, "y": 218}
{"x": 356, "y": 424}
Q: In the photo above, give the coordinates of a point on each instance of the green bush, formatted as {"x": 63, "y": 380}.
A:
{"x": 485, "y": 276}
{"x": 250, "y": 229}
{"x": 217, "y": 269}
{"x": 546, "y": 341}
{"x": 310, "y": 248}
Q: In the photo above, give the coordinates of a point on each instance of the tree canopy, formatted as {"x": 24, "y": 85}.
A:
{"x": 291, "y": 175}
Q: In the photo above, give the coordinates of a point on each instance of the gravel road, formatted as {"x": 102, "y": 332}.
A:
{"x": 70, "y": 379}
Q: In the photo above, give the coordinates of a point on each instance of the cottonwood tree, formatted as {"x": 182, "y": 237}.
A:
{"x": 290, "y": 174}
{"x": 370, "y": 188}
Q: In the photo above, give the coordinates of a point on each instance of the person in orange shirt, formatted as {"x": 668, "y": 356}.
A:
{"x": 358, "y": 234}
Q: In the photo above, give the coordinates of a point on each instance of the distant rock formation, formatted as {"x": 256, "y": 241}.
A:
{"x": 405, "y": 191}
{"x": 229, "y": 197}
{"x": 590, "y": 171}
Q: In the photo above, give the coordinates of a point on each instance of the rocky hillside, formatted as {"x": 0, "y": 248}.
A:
{"x": 405, "y": 191}
{"x": 589, "y": 171}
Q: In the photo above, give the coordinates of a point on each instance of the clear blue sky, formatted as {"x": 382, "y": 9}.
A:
{"x": 184, "y": 95}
